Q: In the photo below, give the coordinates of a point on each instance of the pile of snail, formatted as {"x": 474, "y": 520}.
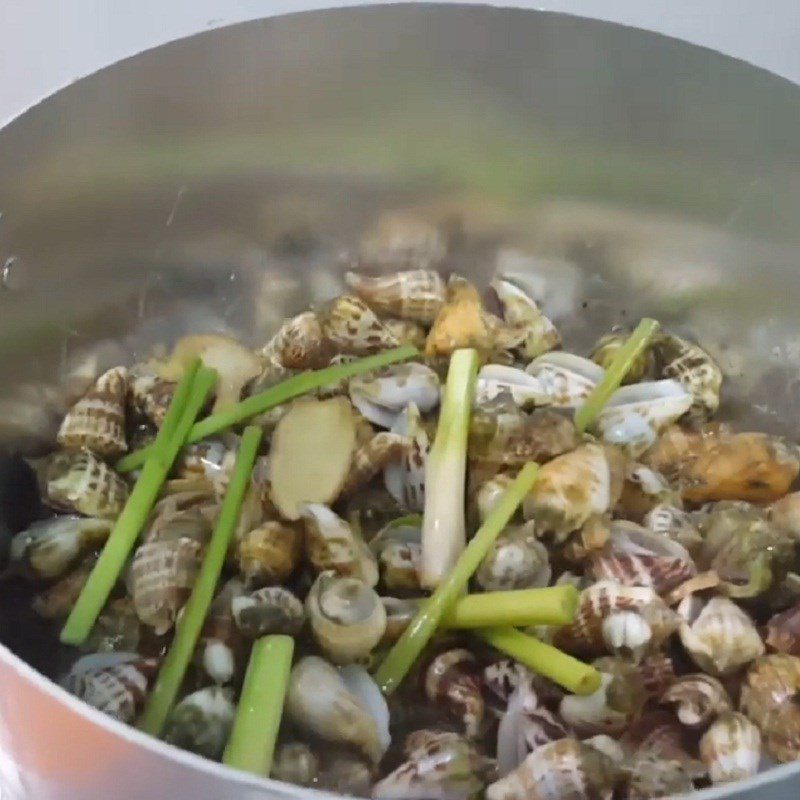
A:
{"x": 680, "y": 533}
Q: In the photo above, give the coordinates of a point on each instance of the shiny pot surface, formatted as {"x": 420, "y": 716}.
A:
{"x": 223, "y": 182}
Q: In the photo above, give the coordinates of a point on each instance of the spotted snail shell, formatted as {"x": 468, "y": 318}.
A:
{"x": 97, "y": 421}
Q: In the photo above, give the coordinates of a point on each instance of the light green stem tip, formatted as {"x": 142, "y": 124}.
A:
{"x": 615, "y": 374}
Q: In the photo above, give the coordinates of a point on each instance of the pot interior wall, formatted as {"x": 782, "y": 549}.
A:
{"x": 224, "y": 181}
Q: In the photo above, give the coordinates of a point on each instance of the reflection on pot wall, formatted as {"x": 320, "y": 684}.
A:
{"x": 225, "y": 180}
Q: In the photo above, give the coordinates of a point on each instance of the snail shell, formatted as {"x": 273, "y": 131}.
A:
{"x": 659, "y": 734}
{"x": 526, "y": 724}
{"x": 571, "y": 488}
{"x": 635, "y": 415}
{"x": 439, "y": 765}
{"x": 504, "y": 676}
{"x": 769, "y": 698}
{"x": 404, "y": 478}
{"x": 345, "y": 773}
{"x": 299, "y": 344}
{"x": 117, "y": 628}
{"x": 347, "y": 617}
{"x": 373, "y": 507}
{"x": 82, "y": 483}
{"x": 720, "y": 637}
{"x": 643, "y": 488}
{"x": 693, "y": 368}
{"x": 619, "y": 699}
{"x": 161, "y": 577}
{"x": 785, "y": 515}
{"x": 731, "y": 748}
{"x": 516, "y": 560}
{"x": 652, "y": 775}
{"x": 635, "y": 556}
{"x": 407, "y": 332}
{"x": 56, "y": 601}
{"x": 399, "y": 564}
{"x": 191, "y": 513}
{"x": 114, "y": 683}
{"x": 50, "y": 547}
{"x": 674, "y": 523}
{"x": 341, "y": 706}
{"x": 605, "y": 621}
{"x": 382, "y": 397}
{"x": 97, "y": 421}
{"x": 415, "y": 295}
{"x": 783, "y": 631}
{"x": 352, "y": 327}
{"x": 332, "y": 544}
{"x": 608, "y": 746}
{"x": 748, "y": 552}
{"x": 513, "y": 439}
{"x": 530, "y": 332}
{"x": 627, "y": 633}
{"x": 493, "y": 425}
{"x": 295, "y": 763}
{"x": 272, "y": 609}
{"x": 698, "y": 698}
{"x": 212, "y": 459}
{"x": 202, "y": 721}
{"x": 566, "y": 379}
{"x": 657, "y": 672}
{"x": 369, "y": 459}
{"x": 453, "y": 677}
{"x": 151, "y": 395}
{"x": 566, "y": 768}
{"x": 269, "y": 553}
{"x": 496, "y": 379}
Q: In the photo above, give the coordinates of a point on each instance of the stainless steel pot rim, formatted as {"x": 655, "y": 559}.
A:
{"x": 28, "y": 675}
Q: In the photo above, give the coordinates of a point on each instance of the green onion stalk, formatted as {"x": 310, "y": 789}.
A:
{"x": 407, "y": 648}
{"x": 187, "y": 630}
{"x": 187, "y": 402}
{"x": 551, "y": 605}
{"x": 619, "y": 367}
{"x": 443, "y": 525}
{"x": 282, "y": 392}
{"x": 251, "y": 745}
{"x": 561, "y": 668}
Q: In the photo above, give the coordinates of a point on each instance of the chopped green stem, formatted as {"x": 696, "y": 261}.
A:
{"x": 255, "y": 729}
{"x": 286, "y": 390}
{"x": 411, "y": 643}
{"x": 759, "y": 578}
{"x": 410, "y": 520}
{"x": 554, "y": 605}
{"x": 563, "y": 669}
{"x": 189, "y": 399}
{"x": 615, "y": 374}
{"x": 443, "y": 526}
{"x": 187, "y": 629}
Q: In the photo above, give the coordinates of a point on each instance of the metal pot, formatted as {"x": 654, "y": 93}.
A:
{"x": 224, "y": 181}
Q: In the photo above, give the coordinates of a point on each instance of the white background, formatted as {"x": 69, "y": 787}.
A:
{"x": 49, "y": 43}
